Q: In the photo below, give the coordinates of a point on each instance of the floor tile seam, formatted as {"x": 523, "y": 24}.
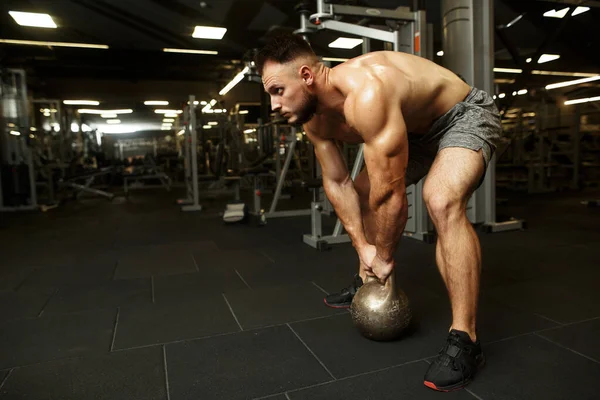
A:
{"x": 225, "y": 333}
{"x": 566, "y": 348}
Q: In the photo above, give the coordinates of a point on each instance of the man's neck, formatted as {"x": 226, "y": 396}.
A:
{"x": 330, "y": 98}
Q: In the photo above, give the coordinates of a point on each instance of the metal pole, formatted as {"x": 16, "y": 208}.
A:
{"x": 283, "y": 174}
{"x": 195, "y": 206}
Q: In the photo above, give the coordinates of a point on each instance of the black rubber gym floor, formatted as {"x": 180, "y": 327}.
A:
{"x": 137, "y": 300}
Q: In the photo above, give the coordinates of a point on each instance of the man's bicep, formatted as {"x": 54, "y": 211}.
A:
{"x": 333, "y": 165}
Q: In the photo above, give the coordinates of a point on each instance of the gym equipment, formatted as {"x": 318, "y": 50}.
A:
{"x": 17, "y": 176}
{"x": 410, "y": 34}
{"x": 217, "y": 181}
{"x": 235, "y": 212}
{"x": 468, "y": 43}
{"x": 287, "y": 142}
{"x": 191, "y": 202}
{"x": 134, "y": 176}
{"x": 87, "y": 179}
{"x": 380, "y": 311}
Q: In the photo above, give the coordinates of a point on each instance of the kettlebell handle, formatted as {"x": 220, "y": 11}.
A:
{"x": 391, "y": 280}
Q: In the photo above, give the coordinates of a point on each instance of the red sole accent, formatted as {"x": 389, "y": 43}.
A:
{"x": 431, "y": 385}
{"x": 329, "y": 305}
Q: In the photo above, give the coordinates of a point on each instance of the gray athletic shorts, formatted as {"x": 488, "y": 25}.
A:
{"x": 473, "y": 124}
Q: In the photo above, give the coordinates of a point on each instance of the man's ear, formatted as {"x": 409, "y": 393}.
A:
{"x": 307, "y": 75}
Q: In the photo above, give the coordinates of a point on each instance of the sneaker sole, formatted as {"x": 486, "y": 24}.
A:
{"x": 333, "y": 306}
{"x": 457, "y": 386}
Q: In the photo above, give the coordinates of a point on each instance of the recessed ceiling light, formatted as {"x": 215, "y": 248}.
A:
{"x": 345, "y": 43}
{"x": 548, "y": 57}
{"x": 81, "y": 103}
{"x": 209, "y": 32}
{"x": 33, "y": 19}
{"x": 156, "y": 103}
{"x": 556, "y": 14}
{"x": 113, "y": 121}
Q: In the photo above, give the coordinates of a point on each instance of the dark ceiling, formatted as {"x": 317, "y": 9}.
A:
{"x": 135, "y": 68}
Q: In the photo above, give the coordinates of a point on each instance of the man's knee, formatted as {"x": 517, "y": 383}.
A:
{"x": 443, "y": 204}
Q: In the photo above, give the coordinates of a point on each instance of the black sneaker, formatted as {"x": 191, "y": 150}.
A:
{"x": 457, "y": 363}
{"x": 343, "y": 299}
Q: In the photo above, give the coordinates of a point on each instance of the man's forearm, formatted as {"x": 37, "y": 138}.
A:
{"x": 346, "y": 203}
{"x": 390, "y": 216}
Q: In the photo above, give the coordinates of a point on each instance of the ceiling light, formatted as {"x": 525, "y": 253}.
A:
{"x": 514, "y": 93}
{"x": 15, "y": 133}
{"x": 33, "y": 19}
{"x": 522, "y": 92}
{"x": 580, "y": 10}
{"x": 558, "y": 73}
{"x": 81, "y": 103}
{"x": 170, "y": 115}
{"x": 213, "y": 123}
{"x": 528, "y": 60}
{"x": 250, "y": 130}
{"x": 243, "y": 112}
{"x": 209, "y": 32}
{"x": 181, "y": 132}
{"x": 203, "y": 103}
{"x": 233, "y": 82}
{"x": 33, "y": 129}
{"x": 156, "y": 103}
{"x": 74, "y": 127}
{"x": 345, "y": 43}
{"x": 54, "y": 44}
{"x": 113, "y": 121}
{"x": 190, "y": 51}
{"x": 548, "y": 57}
{"x": 579, "y": 101}
{"x": 501, "y": 95}
{"x": 571, "y": 83}
{"x": 508, "y": 70}
{"x": 104, "y": 112}
{"x": 494, "y": 97}
{"x": 206, "y": 127}
{"x": 108, "y": 115}
{"x": 169, "y": 120}
{"x": 556, "y": 14}
{"x": 335, "y": 59}
{"x": 163, "y": 111}
{"x": 440, "y": 53}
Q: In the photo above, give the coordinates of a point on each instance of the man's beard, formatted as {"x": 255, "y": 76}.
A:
{"x": 308, "y": 108}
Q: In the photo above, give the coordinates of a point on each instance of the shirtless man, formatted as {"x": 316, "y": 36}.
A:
{"x": 415, "y": 118}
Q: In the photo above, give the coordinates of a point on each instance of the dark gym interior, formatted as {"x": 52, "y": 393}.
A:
{"x": 164, "y": 234}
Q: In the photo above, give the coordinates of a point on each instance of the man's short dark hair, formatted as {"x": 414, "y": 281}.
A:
{"x": 282, "y": 47}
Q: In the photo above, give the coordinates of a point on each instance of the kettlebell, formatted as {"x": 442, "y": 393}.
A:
{"x": 380, "y": 311}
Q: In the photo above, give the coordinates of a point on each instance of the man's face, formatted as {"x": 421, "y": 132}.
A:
{"x": 289, "y": 93}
